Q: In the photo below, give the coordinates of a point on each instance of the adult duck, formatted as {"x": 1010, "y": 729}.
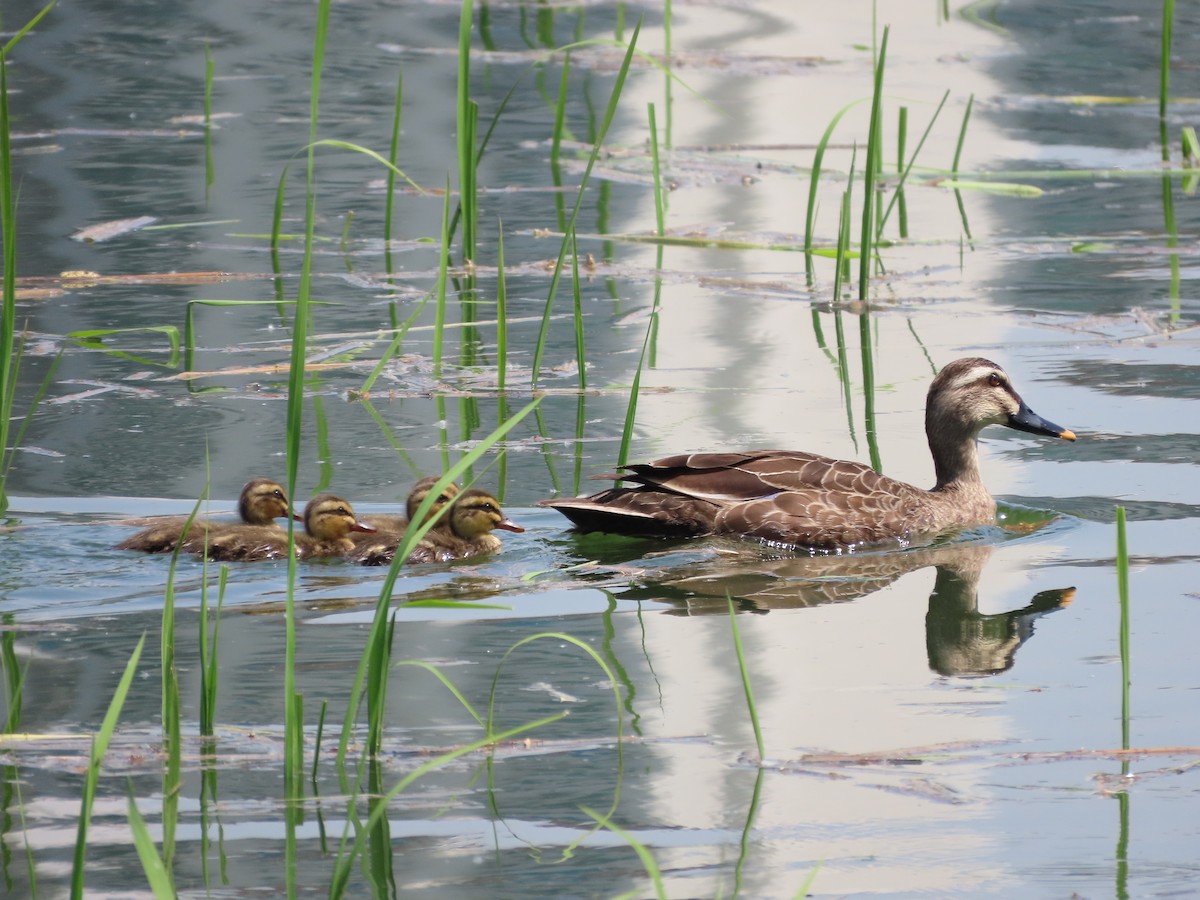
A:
{"x": 796, "y": 499}
{"x": 463, "y": 532}
{"x": 260, "y": 503}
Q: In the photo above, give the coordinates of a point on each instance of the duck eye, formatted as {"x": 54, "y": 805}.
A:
{"x": 994, "y": 380}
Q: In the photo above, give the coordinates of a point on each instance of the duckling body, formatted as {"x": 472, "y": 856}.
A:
{"x": 797, "y": 499}
{"x": 463, "y": 532}
{"x": 260, "y": 503}
{"x": 328, "y": 522}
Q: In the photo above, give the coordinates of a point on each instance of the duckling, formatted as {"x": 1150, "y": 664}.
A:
{"x": 463, "y": 532}
{"x": 397, "y": 524}
{"x": 328, "y": 522}
{"x": 260, "y": 503}
{"x": 801, "y": 500}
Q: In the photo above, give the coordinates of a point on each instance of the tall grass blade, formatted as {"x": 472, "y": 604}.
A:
{"x": 439, "y": 325}
{"x": 643, "y": 852}
{"x": 345, "y": 862}
{"x": 501, "y": 313}
{"x": 901, "y": 201}
{"x": 100, "y": 743}
{"x": 870, "y": 170}
{"x": 814, "y": 179}
{"x": 577, "y": 296}
{"x": 466, "y": 135}
{"x": 868, "y": 368}
{"x": 156, "y": 871}
{"x": 1123, "y": 598}
{"x": 751, "y": 707}
{"x": 389, "y": 201}
{"x": 896, "y": 195}
{"x": 609, "y": 112}
{"x": 660, "y": 225}
{"x": 209, "y": 169}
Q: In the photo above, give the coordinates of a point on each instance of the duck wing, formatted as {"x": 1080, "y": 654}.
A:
{"x": 640, "y": 511}
{"x": 831, "y": 518}
{"x": 725, "y": 478}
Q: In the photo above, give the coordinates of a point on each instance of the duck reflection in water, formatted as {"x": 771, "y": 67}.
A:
{"x": 959, "y": 639}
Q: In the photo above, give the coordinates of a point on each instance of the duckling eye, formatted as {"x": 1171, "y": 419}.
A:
{"x": 994, "y": 380}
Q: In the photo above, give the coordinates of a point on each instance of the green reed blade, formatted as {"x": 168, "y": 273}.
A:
{"x": 16, "y": 38}
{"x": 609, "y": 113}
{"x": 446, "y": 683}
{"x": 99, "y": 747}
{"x": 439, "y": 324}
{"x": 411, "y": 536}
{"x": 901, "y": 202}
{"x": 870, "y": 169}
{"x": 210, "y": 655}
{"x": 1123, "y": 598}
{"x": 501, "y": 312}
{"x": 559, "y": 128}
{"x": 904, "y": 175}
{"x": 389, "y": 201}
{"x": 465, "y": 134}
{"x": 814, "y": 181}
{"x": 751, "y": 707}
{"x": 87, "y": 340}
{"x": 1164, "y": 65}
{"x": 643, "y": 852}
{"x": 345, "y": 861}
{"x": 152, "y": 864}
{"x": 209, "y": 168}
{"x": 577, "y": 297}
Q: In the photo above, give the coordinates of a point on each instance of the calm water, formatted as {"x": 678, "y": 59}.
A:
{"x": 937, "y": 722}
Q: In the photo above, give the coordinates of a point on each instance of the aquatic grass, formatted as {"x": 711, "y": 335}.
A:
{"x": 99, "y": 747}
{"x": 609, "y": 114}
{"x": 577, "y": 307}
{"x": 901, "y": 202}
{"x": 897, "y": 194}
{"x": 88, "y": 340}
{"x": 558, "y": 128}
{"x": 157, "y": 874}
{"x": 813, "y": 182}
{"x": 345, "y": 859}
{"x": 1164, "y": 66}
{"x": 870, "y": 171}
{"x": 209, "y": 168}
{"x": 1123, "y": 599}
{"x": 14, "y": 678}
{"x": 642, "y": 851}
{"x": 649, "y": 341}
{"x": 394, "y": 347}
{"x": 501, "y": 315}
{"x": 740, "y": 654}
{"x": 439, "y": 325}
{"x": 373, "y": 650}
{"x": 467, "y": 114}
{"x": 389, "y": 200}
{"x": 10, "y": 358}
{"x": 210, "y": 650}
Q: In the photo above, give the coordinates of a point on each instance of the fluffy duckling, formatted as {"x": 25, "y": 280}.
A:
{"x": 328, "y": 522}
{"x": 397, "y": 524}
{"x": 795, "y": 499}
{"x": 463, "y": 532}
{"x": 261, "y": 502}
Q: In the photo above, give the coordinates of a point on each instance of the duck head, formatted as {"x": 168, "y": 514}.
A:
{"x": 328, "y": 517}
{"x": 262, "y": 501}
{"x": 421, "y": 490}
{"x": 476, "y": 512}
{"x": 970, "y": 394}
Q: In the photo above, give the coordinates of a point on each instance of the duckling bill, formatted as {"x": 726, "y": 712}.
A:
{"x": 803, "y": 500}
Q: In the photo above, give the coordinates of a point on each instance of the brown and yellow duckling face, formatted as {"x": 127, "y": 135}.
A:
{"x": 421, "y": 490}
{"x": 328, "y": 517}
{"x": 476, "y": 512}
{"x": 262, "y": 501}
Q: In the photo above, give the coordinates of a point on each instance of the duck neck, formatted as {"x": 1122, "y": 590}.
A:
{"x": 955, "y": 456}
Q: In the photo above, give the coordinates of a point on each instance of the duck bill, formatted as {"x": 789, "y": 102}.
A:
{"x": 1025, "y": 419}
{"x": 363, "y": 527}
{"x": 509, "y": 525}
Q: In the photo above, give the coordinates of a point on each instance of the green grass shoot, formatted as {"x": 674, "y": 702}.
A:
{"x": 814, "y": 179}
{"x": 609, "y": 113}
{"x": 100, "y": 742}
{"x": 209, "y": 169}
{"x": 157, "y": 873}
{"x": 642, "y": 851}
{"x": 1123, "y": 598}
{"x": 870, "y": 170}
{"x": 751, "y": 707}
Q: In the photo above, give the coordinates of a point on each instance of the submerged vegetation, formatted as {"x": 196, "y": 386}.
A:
{"x": 501, "y": 388}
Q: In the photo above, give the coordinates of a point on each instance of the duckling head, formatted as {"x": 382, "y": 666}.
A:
{"x": 262, "y": 501}
{"x": 476, "y": 512}
{"x": 328, "y": 517}
{"x": 421, "y": 490}
{"x": 970, "y": 394}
